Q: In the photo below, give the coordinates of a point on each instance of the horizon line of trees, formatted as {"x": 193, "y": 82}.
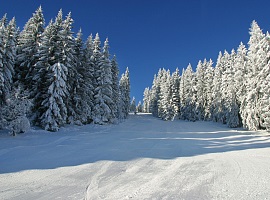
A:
{"x": 236, "y": 91}
{"x": 50, "y": 77}
{"x": 136, "y": 108}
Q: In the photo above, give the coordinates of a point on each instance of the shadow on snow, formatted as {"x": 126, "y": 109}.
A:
{"x": 141, "y": 136}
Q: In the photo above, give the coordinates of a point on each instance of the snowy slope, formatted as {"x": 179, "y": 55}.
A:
{"x": 141, "y": 158}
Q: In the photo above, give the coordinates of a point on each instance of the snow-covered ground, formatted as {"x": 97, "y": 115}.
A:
{"x": 141, "y": 158}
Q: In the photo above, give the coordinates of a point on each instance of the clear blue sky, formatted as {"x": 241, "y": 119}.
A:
{"x": 150, "y": 34}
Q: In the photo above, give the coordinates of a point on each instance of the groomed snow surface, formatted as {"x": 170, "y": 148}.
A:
{"x": 141, "y": 158}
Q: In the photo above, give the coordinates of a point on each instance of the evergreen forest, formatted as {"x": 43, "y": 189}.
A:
{"x": 236, "y": 91}
{"x": 50, "y": 77}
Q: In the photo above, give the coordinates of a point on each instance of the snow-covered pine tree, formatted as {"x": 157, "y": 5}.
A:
{"x": 53, "y": 66}
{"x": 95, "y": 60}
{"x": 165, "y": 101}
{"x": 124, "y": 90}
{"x": 2, "y": 32}
{"x": 264, "y": 101}
{"x": 188, "y": 104}
{"x": 103, "y": 90}
{"x": 163, "y": 95}
{"x": 182, "y": 95}
{"x": 115, "y": 87}
{"x": 90, "y": 61}
{"x": 240, "y": 76}
{"x": 2, "y": 57}
{"x": 7, "y": 57}
{"x": 230, "y": 101}
{"x": 175, "y": 84}
{"x": 256, "y": 61}
{"x": 203, "y": 88}
{"x": 13, "y": 114}
{"x": 263, "y": 87}
{"x": 170, "y": 111}
{"x": 133, "y": 105}
{"x": 82, "y": 101}
{"x": 55, "y": 111}
{"x": 139, "y": 107}
{"x": 224, "y": 86}
{"x": 90, "y": 44}
{"x": 208, "y": 90}
{"x": 232, "y": 117}
{"x": 67, "y": 58}
{"x": 44, "y": 56}
{"x": 88, "y": 75}
{"x": 146, "y": 100}
{"x": 127, "y": 89}
{"x": 155, "y": 94}
{"x": 254, "y": 48}
{"x": 98, "y": 99}
{"x": 199, "y": 92}
{"x": 4, "y": 20}
{"x": 108, "y": 83}
{"x": 29, "y": 41}
{"x": 216, "y": 107}
{"x": 228, "y": 88}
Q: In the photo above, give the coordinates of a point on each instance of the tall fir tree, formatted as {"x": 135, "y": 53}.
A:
{"x": 175, "y": 87}
{"x": 139, "y": 107}
{"x": 115, "y": 87}
{"x": 124, "y": 90}
{"x": 155, "y": 94}
{"x": 103, "y": 84}
{"x": 7, "y": 57}
{"x": 98, "y": 100}
{"x": 240, "y": 75}
{"x": 188, "y": 104}
{"x": 146, "y": 100}
{"x": 55, "y": 112}
{"x": 133, "y": 105}
{"x": 51, "y": 90}
{"x": 165, "y": 104}
{"x": 232, "y": 108}
{"x": 256, "y": 61}
{"x": 88, "y": 75}
{"x": 108, "y": 83}
{"x": 182, "y": 94}
{"x": 208, "y": 90}
{"x": 224, "y": 86}
{"x": 199, "y": 90}
{"x": 216, "y": 107}
{"x": 263, "y": 88}
{"x": 41, "y": 67}
{"x": 66, "y": 55}
{"x": 82, "y": 93}
{"x": 264, "y": 101}
{"x": 29, "y": 41}
{"x": 2, "y": 32}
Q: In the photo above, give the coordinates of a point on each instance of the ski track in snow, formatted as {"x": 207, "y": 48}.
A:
{"x": 141, "y": 158}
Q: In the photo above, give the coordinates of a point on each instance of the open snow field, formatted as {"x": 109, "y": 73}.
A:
{"x": 141, "y": 158}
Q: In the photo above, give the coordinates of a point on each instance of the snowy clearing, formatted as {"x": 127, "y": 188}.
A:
{"x": 141, "y": 158}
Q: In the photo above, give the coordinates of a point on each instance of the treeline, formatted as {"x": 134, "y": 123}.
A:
{"x": 236, "y": 91}
{"x": 50, "y": 77}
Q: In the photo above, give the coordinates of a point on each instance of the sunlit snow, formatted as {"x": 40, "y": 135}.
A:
{"x": 141, "y": 158}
